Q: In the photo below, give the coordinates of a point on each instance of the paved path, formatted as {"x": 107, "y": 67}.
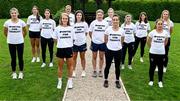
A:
{"x": 91, "y": 89}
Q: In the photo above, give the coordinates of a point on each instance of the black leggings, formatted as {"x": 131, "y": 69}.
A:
{"x": 167, "y": 51}
{"x": 156, "y": 60}
{"x": 130, "y": 47}
{"x": 44, "y": 43}
{"x": 142, "y": 42}
{"x": 110, "y": 55}
{"x": 20, "y": 49}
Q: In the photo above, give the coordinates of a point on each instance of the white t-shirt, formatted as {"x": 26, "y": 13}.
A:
{"x": 114, "y": 38}
{"x": 71, "y": 19}
{"x": 47, "y": 27}
{"x": 142, "y": 29}
{"x": 108, "y": 20}
{"x": 80, "y": 30}
{"x": 15, "y": 31}
{"x": 157, "y": 43}
{"x": 34, "y": 23}
{"x": 64, "y": 36}
{"x": 129, "y": 32}
{"x": 98, "y": 30}
{"x": 167, "y": 28}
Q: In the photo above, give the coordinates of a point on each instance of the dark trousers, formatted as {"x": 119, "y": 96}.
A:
{"x": 130, "y": 47}
{"x": 142, "y": 42}
{"x": 110, "y": 55}
{"x": 44, "y": 43}
{"x": 16, "y": 49}
{"x": 166, "y": 51}
{"x": 156, "y": 60}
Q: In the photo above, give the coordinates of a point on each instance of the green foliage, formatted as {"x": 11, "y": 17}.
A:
{"x": 153, "y": 9}
{"x": 57, "y": 15}
{"x": 25, "y": 6}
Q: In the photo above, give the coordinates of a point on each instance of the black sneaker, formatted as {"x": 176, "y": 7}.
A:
{"x": 118, "y": 85}
{"x": 94, "y": 74}
{"x": 100, "y": 74}
{"x": 106, "y": 84}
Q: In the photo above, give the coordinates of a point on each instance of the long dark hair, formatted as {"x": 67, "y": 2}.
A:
{"x": 37, "y": 16}
{"x": 146, "y": 18}
{"x": 49, "y": 12}
{"x": 83, "y": 17}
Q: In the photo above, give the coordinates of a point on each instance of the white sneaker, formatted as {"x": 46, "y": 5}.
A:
{"x": 156, "y": 69}
{"x": 21, "y": 75}
{"x": 129, "y": 66}
{"x": 164, "y": 69}
{"x": 83, "y": 73}
{"x": 70, "y": 84}
{"x": 59, "y": 85}
{"x": 150, "y": 83}
{"x": 74, "y": 74}
{"x": 43, "y": 65}
{"x": 14, "y": 75}
{"x": 160, "y": 84}
{"x": 141, "y": 59}
{"x": 122, "y": 66}
{"x": 37, "y": 59}
{"x": 51, "y": 64}
{"x": 33, "y": 59}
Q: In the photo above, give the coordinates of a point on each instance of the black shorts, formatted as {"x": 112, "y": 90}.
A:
{"x": 98, "y": 47}
{"x": 34, "y": 34}
{"x": 64, "y": 52}
{"x": 81, "y": 48}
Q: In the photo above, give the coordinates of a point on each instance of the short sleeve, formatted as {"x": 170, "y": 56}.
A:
{"x": 134, "y": 28}
{"x": 91, "y": 26}
{"x": 55, "y": 34}
{"x": 28, "y": 21}
{"x": 122, "y": 31}
{"x": 86, "y": 28}
{"x": 23, "y": 24}
{"x": 107, "y": 31}
{"x": 54, "y": 24}
{"x": 171, "y": 24}
{"x": 6, "y": 24}
{"x": 151, "y": 34}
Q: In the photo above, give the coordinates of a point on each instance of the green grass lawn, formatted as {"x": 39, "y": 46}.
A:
{"x": 40, "y": 84}
{"x": 136, "y": 81}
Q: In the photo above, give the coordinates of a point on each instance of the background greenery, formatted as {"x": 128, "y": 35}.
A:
{"x": 152, "y": 7}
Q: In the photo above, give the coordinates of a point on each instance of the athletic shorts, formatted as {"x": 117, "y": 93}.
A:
{"x": 64, "y": 52}
{"x": 81, "y": 48}
{"x": 98, "y": 47}
{"x": 34, "y": 34}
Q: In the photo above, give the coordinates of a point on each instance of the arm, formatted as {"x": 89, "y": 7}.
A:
{"x": 171, "y": 30}
{"x": 90, "y": 35}
{"x": 24, "y": 31}
{"x": 149, "y": 40}
{"x": 105, "y": 38}
{"x": 122, "y": 40}
{"x": 166, "y": 41}
{"x": 5, "y": 31}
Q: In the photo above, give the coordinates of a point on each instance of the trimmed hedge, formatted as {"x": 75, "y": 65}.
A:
{"x": 25, "y": 6}
{"x": 153, "y": 9}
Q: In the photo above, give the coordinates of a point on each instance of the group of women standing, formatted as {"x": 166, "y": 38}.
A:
{"x": 108, "y": 39}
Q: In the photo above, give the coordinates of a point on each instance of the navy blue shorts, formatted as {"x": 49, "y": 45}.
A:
{"x": 98, "y": 47}
{"x": 81, "y": 48}
{"x": 34, "y": 34}
{"x": 64, "y": 52}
